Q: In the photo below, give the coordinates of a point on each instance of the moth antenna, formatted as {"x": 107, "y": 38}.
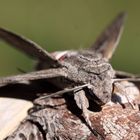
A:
{"x": 32, "y": 76}
{"x": 123, "y": 74}
{"x": 108, "y": 40}
{"x": 75, "y": 89}
{"x": 28, "y": 47}
{"x": 133, "y": 79}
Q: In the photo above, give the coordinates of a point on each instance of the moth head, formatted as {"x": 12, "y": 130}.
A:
{"x": 101, "y": 89}
{"x": 98, "y": 72}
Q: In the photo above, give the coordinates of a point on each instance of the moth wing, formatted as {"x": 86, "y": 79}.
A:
{"x": 27, "y": 46}
{"x": 108, "y": 40}
{"x": 36, "y": 75}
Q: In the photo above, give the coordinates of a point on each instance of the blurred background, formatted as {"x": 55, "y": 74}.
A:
{"x": 68, "y": 24}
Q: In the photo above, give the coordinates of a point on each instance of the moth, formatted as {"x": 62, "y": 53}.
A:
{"x": 86, "y": 73}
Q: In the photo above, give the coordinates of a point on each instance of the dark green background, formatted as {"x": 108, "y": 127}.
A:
{"x": 68, "y": 24}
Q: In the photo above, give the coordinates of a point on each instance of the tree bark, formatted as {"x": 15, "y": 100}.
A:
{"x": 61, "y": 119}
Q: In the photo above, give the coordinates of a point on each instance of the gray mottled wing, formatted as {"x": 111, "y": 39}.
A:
{"x": 37, "y": 75}
{"x": 27, "y": 46}
{"x": 107, "y": 42}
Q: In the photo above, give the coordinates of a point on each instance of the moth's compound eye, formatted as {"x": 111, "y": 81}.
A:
{"x": 60, "y": 55}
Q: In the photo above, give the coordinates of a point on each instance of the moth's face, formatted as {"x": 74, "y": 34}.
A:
{"x": 90, "y": 68}
{"x": 100, "y": 77}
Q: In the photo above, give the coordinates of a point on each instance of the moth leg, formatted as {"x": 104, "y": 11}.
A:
{"x": 125, "y": 93}
{"x": 83, "y": 104}
{"x": 79, "y": 96}
{"x": 38, "y": 106}
{"x": 66, "y": 90}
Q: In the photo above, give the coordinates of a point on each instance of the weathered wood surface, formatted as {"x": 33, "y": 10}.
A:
{"x": 12, "y": 112}
{"x": 62, "y": 119}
